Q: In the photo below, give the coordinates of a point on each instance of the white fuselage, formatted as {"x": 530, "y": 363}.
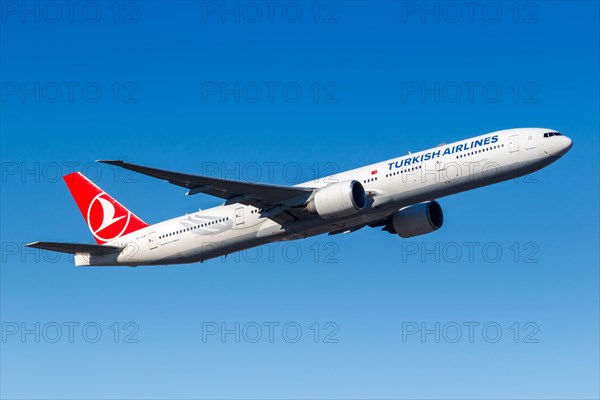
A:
{"x": 391, "y": 185}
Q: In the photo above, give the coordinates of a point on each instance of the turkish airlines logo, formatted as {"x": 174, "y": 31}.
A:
{"x": 103, "y": 221}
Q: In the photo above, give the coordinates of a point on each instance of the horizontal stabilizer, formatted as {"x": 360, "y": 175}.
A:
{"x": 76, "y": 248}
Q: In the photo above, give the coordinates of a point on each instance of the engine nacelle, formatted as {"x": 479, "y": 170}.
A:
{"x": 418, "y": 219}
{"x": 338, "y": 199}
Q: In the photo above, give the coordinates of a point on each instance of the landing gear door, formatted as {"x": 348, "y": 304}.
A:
{"x": 239, "y": 215}
{"x": 513, "y": 143}
{"x": 152, "y": 240}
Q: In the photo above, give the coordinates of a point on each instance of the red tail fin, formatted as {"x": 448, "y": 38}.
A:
{"x": 106, "y": 217}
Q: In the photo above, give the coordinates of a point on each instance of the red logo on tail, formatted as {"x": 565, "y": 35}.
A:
{"x": 106, "y": 218}
{"x": 103, "y": 220}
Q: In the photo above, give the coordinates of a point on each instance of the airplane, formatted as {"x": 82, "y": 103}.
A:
{"x": 399, "y": 195}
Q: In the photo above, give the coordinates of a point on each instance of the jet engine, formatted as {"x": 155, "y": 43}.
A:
{"x": 417, "y": 219}
{"x": 338, "y": 199}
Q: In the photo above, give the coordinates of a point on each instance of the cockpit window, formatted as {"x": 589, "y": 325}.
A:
{"x": 550, "y": 134}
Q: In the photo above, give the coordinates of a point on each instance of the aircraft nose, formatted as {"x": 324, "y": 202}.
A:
{"x": 567, "y": 143}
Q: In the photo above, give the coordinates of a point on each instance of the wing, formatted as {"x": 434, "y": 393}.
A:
{"x": 75, "y": 248}
{"x": 260, "y": 195}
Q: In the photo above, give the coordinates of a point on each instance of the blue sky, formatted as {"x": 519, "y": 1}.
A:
{"x": 502, "y": 302}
